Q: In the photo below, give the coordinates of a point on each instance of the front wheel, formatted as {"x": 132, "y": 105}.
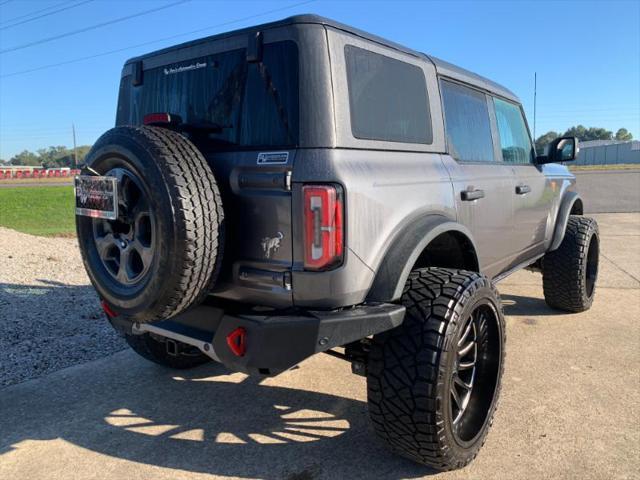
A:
{"x": 569, "y": 273}
{"x": 433, "y": 382}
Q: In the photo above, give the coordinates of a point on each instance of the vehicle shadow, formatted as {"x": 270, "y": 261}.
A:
{"x": 526, "y": 306}
{"x": 206, "y": 420}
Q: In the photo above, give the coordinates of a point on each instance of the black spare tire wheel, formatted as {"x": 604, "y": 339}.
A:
{"x": 162, "y": 253}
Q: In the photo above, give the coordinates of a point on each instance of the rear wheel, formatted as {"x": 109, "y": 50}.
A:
{"x": 165, "y": 352}
{"x": 569, "y": 274}
{"x": 433, "y": 382}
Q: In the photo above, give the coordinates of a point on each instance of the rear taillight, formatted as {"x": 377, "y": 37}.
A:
{"x": 162, "y": 118}
{"x": 323, "y": 227}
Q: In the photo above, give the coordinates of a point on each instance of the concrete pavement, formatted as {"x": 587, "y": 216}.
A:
{"x": 570, "y": 405}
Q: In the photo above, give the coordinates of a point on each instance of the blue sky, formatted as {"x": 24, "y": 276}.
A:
{"x": 586, "y": 54}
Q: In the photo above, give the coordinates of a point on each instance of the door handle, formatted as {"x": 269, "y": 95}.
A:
{"x": 470, "y": 195}
{"x": 522, "y": 189}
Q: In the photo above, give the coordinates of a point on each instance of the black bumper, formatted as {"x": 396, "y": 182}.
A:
{"x": 275, "y": 342}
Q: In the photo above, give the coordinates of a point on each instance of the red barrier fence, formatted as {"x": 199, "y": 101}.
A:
{"x": 31, "y": 172}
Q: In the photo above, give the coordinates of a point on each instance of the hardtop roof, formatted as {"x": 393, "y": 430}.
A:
{"x": 443, "y": 68}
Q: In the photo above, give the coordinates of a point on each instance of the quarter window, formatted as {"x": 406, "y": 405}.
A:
{"x": 467, "y": 123}
{"x": 387, "y": 97}
{"x": 514, "y": 138}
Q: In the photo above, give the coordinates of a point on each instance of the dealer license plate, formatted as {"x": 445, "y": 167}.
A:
{"x": 96, "y": 196}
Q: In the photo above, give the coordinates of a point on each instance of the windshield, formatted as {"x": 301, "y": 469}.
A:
{"x": 254, "y": 104}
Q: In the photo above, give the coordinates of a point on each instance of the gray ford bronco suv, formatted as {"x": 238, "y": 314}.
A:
{"x": 302, "y": 187}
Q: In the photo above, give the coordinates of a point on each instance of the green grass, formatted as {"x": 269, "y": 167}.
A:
{"x": 46, "y": 211}
{"x": 613, "y": 166}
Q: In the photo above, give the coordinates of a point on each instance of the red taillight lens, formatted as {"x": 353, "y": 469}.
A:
{"x": 323, "y": 227}
{"x": 160, "y": 119}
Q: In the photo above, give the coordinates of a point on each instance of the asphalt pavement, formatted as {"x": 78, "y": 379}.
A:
{"x": 570, "y": 405}
{"x": 609, "y": 191}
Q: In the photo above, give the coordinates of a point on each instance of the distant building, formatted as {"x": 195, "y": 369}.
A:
{"x": 607, "y": 152}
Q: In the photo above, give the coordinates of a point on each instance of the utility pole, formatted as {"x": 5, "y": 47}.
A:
{"x": 75, "y": 152}
{"x": 535, "y": 92}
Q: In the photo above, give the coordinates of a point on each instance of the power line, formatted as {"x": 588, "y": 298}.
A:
{"x": 46, "y": 14}
{"x": 39, "y": 131}
{"x": 19, "y": 17}
{"x": 92, "y": 27}
{"x": 110, "y": 52}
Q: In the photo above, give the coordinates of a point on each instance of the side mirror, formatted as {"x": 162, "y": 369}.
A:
{"x": 563, "y": 149}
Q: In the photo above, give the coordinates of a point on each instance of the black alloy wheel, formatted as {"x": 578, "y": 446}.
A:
{"x": 126, "y": 245}
{"x": 433, "y": 382}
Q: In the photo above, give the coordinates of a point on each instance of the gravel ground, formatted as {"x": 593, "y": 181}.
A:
{"x": 49, "y": 313}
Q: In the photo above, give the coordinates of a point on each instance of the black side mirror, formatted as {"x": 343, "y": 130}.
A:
{"x": 562, "y": 149}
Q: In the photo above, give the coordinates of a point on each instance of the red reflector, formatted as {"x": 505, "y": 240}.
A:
{"x": 154, "y": 118}
{"x": 323, "y": 227}
{"x": 107, "y": 309}
{"x": 237, "y": 341}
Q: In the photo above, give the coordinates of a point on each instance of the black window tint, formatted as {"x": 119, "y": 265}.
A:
{"x": 387, "y": 97}
{"x": 255, "y": 104}
{"x": 467, "y": 123}
{"x": 514, "y": 137}
{"x": 124, "y": 101}
{"x": 270, "y": 108}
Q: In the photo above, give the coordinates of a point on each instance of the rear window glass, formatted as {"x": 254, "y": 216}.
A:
{"x": 253, "y": 104}
{"x": 467, "y": 123}
{"x": 387, "y": 97}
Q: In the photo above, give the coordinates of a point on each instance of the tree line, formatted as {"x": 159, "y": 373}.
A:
{"x": 52, "y": 157}
{"x": 61, "y": 156}
{"x": 583, "y": 134}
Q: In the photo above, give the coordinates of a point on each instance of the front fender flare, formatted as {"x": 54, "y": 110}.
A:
{"x": 568, "y": 201}
{"x": 404, "y": 251}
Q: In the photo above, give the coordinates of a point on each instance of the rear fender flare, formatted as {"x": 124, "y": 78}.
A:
{"x": 404, "y": 251}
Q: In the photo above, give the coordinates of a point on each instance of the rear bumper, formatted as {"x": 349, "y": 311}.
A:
{"x": 274, "y": 342}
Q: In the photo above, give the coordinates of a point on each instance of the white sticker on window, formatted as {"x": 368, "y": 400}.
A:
{"x": 184, "y": 68}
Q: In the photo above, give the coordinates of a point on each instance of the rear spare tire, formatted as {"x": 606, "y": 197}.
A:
{"x": 163, "y": 252}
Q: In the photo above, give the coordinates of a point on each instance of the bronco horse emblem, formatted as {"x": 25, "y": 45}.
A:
{"x": 270, "y": 245}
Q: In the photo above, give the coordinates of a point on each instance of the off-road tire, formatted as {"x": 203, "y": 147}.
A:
{"x": 184, "y": 195}
{"x": 155, "y": 350}
{"x": 569, "y": 273}
{"x": 408, "y": 371}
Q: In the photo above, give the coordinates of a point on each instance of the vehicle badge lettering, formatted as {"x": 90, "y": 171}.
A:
{"x": 273, "y": 158}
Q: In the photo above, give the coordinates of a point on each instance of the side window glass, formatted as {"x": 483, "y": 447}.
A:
{"x": 387, "y": 97}
{"x": 467, "y": 123}
{"x": 514, "y": 138}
